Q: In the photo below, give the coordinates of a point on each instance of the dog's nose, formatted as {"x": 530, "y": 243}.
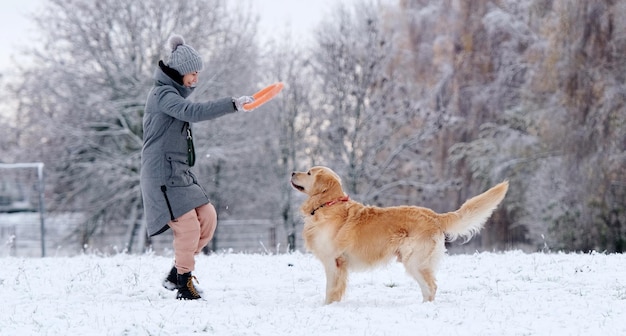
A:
{"x": 293, "y": 173}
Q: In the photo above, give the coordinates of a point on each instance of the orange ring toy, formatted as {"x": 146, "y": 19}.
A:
{"x": 265, "y": 95}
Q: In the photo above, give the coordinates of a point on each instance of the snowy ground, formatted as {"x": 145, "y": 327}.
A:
{"x": 482, "y": 294}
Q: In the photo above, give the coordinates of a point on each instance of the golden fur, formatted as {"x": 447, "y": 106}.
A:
{"x": 346, "y": 235}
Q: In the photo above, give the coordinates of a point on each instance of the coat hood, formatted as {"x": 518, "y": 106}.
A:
{"x": 161, "y": 78}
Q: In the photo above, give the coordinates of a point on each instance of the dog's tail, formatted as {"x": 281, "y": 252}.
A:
{"x": 473, "y": 214}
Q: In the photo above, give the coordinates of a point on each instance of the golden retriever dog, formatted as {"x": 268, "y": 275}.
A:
{"x": 347, "y": 235}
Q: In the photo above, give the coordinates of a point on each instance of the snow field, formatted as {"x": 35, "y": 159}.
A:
{"x": 509, "y": 293}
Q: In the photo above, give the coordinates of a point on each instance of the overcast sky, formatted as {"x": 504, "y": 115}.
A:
{"x": 15, "y": 28}
{"x": 299, "y": 15}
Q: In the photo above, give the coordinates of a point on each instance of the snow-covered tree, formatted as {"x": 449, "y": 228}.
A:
{"x": 288, "y": 61}
{"x": 361, "y": 114}
{"x": 584, "y": 71}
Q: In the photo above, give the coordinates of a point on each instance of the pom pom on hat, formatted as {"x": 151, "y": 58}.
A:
{"x": 174, "y": 41}
{"x": 183, "y": 58}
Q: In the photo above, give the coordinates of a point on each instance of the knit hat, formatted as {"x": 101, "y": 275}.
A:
{"x": 183, "y": 58}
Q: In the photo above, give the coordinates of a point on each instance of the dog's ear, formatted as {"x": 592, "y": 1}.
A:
{"x": 327, "y": 181}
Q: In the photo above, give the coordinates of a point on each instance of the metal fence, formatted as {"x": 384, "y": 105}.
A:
{"x": 20, "y": 236}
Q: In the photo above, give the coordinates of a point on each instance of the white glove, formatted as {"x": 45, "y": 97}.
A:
{"x": 241, "y": 101}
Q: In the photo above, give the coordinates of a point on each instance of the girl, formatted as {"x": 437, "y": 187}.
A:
{"x": 172, "y": 197}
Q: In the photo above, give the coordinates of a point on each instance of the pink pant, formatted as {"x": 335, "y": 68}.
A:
{"x": 192, "y": 232}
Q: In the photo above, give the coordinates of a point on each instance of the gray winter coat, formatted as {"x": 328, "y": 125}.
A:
{"x": 169, "y": 188}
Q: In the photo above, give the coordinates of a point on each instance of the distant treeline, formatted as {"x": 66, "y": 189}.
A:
{"x": 412, "y": 102}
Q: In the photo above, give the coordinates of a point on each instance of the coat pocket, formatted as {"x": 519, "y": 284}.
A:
{"x": 179, "y": 174}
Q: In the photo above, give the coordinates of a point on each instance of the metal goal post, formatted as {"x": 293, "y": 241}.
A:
{"x": 40, "y": 188}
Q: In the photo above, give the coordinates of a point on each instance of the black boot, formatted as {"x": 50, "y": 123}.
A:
{"x": 186, "y": 289}
{"x": 171, "y": 281}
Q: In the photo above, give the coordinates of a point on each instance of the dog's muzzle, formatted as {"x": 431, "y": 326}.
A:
{"x": 297, "y": 187}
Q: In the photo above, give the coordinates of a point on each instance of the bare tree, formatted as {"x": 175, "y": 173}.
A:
{"x": 362, "y": 114}
{"x": 291, "y": 117}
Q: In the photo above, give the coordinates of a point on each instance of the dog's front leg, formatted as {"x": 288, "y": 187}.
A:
{"x": 336, "y": 279}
